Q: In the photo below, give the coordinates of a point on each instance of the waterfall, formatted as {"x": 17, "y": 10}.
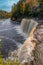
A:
{"x": 27, "y": 25}
{"x": 25, "y": 53}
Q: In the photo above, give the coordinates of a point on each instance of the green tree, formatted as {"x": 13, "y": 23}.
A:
{"x": 41, "y": 7}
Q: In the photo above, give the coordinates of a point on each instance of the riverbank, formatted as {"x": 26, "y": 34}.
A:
{"x": 39, "y": 20}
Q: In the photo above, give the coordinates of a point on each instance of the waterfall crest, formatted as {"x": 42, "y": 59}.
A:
{"x": 27, "y": 25}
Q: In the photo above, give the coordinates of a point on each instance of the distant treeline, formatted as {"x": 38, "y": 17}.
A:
{"x": 24, "y": 8}
{"x": 27, "y": 9}
{"x": 4, "y": 14}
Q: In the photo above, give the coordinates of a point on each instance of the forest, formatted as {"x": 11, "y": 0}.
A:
{"x": 26, "y": 9}
{"x": 4, "y": 14}
{"x": 22, "y": 9}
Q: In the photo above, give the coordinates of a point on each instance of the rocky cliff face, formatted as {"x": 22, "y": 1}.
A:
{"x": 32, "y": 50}
{"x": 38, "y": 54}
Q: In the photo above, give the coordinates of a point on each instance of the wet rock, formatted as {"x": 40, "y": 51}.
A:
{"x": 25, "y": 53}
{"x": 32, "y": 50}
{"x": 38, "y": 53}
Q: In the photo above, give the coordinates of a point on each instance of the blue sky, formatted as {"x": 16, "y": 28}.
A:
{"x": 7, "y": 4}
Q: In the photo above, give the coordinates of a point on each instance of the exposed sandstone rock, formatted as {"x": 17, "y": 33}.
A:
{"x": 32, "y": 50}
{"x": 25, "y": 53}
{"x": 38, "y": 54}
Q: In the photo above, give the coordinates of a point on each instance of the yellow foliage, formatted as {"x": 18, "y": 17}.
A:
{"x": 1, "y": 61}
{"x": 13, "y": 62}
{"x": 14, "y": 8}
{"x": 23, "y": 6}
{"x": 34, "y": 3}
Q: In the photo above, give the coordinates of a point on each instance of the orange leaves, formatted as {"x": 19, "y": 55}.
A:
{"x": 29, "y": 1}
{"x": 23, "y": 4}
{"x": 33, "y": 2}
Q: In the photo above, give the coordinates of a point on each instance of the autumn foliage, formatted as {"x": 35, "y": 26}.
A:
{"x": 27, "y": 8}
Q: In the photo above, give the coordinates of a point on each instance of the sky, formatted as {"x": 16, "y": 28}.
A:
{"x": 7, "y": 4}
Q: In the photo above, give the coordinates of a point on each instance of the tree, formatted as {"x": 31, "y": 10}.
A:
{"x": 23, "y": 7}
{"x": 41, "y": 7}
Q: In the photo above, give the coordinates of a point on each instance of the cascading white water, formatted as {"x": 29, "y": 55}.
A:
{"x": 24, "y": 25}
{"x": 27, "y": 25}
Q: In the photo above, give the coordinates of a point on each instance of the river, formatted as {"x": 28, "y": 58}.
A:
{"x": 11, "y": 36}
